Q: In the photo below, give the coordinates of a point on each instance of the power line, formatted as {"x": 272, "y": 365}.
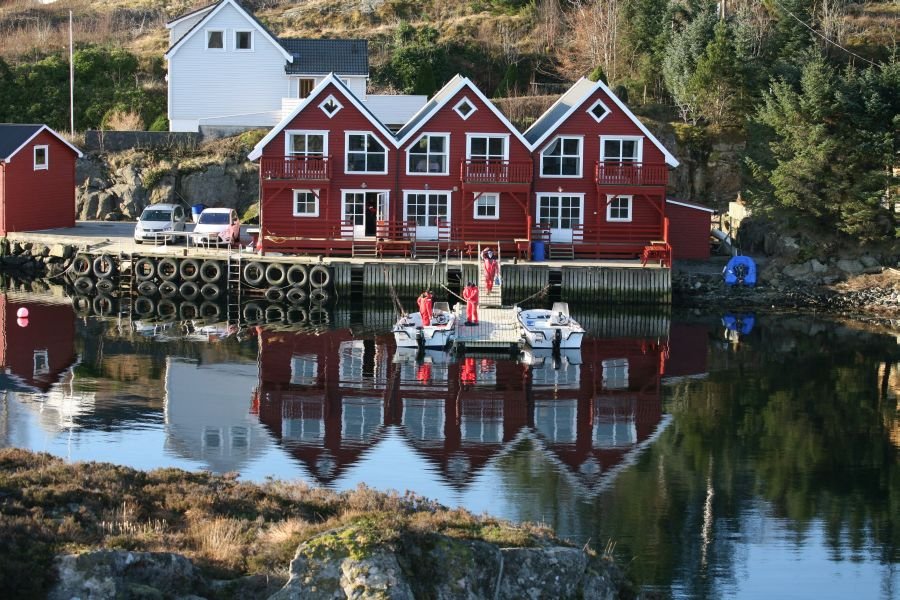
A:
{"x": 830, "y": 41}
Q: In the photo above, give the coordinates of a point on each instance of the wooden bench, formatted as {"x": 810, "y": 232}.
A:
{"x": 658, "y": 250}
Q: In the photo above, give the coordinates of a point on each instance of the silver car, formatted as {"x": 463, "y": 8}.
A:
{"x": 157, "y": 220}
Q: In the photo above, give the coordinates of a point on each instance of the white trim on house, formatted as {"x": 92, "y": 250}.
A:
{"x": 209, "y": 15}
{"x": 193, "y": 13}
{"x": 580, "y": 139}
{"x": 581, "y": 210}
{"x": 503, "y": 136}
{"x": 606, "y": 110}
{"x": 691, "y": 205}
{"x": 314, "y": 194}
{"x": 235, "y": 38}
{"x": 670, "y": 160}
{"x": 337, "y": 109}
{"x": 462, "y": 83}
{"x": 288, "y": 151}
{"x": 46, "y": 164}
{"x": 447, "y": 193}
{"x": 459, "y": 111}
{"x": 34, "y": 135}
{"x": 224, "y": 47}
{"x": 348, "y": 95}
{"x": 484, "y": 196}
{"x": 446, "y": 154}
{"x": 347, "y": 170}
{"x": 622, "y": 138}
{"x": 609, "y": 200}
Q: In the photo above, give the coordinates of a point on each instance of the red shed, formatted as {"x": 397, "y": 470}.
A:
{"x": 688, "y": 229}
{"x": 37, "y": 178}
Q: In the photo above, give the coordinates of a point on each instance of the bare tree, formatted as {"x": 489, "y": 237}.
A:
{"x": 594, "y": 26}
{"x": 549, "y": 22}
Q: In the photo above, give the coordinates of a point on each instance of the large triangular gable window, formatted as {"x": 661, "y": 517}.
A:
{"x": 330, "y": 106}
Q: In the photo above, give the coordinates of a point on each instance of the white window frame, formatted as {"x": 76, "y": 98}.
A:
{"x": 408, "y": 193}
{"x": 315, "y": 195}
{"x": 610, "y": 198}
{"x": 41, "y": 362}
{"x": 347, "y": 154}
{"x": 290, "y": 133}
{"x": 465, "y": 117}
{"x": 503, "y": 136}
{"x": 330, "y": 98}
{"x": 46, "y": 164}
{"x": 537, "y": 207}
{"x": 639, "y": 148}
{"x": 606, "y": 110}
{"x": 445, "y": 154}
{"x": 580, "y": 139}
{"x": 224, "y": 40}
{"x": 235, "y": 38}
{"x": 615, "y": 374}
{"x": 300, "y": 81}
{"x": 485, "y": 196}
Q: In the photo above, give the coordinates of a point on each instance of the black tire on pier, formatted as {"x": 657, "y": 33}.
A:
{"x": 81, "y": 265}
{"x": 275, "y": 274}
{"x": 189, "y": 269}
{"x": 168, "y": 289}
{"x": 189, "y": 290}
{"x": 144, "y": 269}
{"x": 210, "y": 291}
{"x": 296, "y": 295}
{"x": 254, "y": 273}
{"x": 319, "y": 296}
{"x": 147, "y": 288}
{"x": 104, "y": 266}
{"x": 83, "y": 284}
{"x": 166, "y": 310}
{"x": 188, "y": 311}
{"x": 210, "y": 311}
{"x": 144, "y": 306}
{"x": 105, "y": 286}
{"x": 297, "y": 275}
{"x": 210, "y": 271}
{"x": 319, "y": 276}
{"x": 274, "y": 294}
{"x": 103, "y": 305}
{"x": 167, "y": 269}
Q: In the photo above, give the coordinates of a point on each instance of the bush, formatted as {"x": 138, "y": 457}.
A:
{"x": 160, "y": 123}
{"x": 122, "y": 120}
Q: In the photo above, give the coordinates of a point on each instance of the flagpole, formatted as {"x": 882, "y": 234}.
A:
{"x": 71, "y": 81}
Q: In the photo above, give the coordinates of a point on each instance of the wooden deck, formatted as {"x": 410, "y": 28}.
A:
{"x": 497, "y": 329}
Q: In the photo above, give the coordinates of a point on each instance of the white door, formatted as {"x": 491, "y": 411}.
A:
{"x": 364, "y": 210}
{"x": 426, "y": 209}
{"x": 561, "y": 212}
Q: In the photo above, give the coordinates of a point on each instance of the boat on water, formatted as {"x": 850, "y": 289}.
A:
{"x": 554, "y": 328}
{"x": 410, "y": 333}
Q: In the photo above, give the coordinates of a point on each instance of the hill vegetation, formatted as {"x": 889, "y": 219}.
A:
{"x": 811, "y": 82}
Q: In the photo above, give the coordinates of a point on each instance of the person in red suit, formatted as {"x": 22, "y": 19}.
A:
{"x": 470, "y": 295}
{"x": 467, "y": 372}
{"x": 491, "y": 268}
{"x": 426, "y": 307}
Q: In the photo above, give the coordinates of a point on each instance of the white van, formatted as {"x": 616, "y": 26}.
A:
{"x": 157, "y": 219}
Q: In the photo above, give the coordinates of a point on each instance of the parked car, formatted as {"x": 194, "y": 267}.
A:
{"x": 158, "y": 219}
{"x": 217, "y": 226}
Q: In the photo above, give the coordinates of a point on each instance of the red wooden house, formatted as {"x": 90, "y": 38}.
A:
{"x": 37, "y": 179}
{"x": 328, "y": 175}
{"x": 600, "y": 175}
{"x": 689, "y": 227}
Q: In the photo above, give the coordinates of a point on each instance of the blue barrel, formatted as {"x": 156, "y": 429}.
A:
{"x": 537, "y": 251}
{"x": 196, "y": 210}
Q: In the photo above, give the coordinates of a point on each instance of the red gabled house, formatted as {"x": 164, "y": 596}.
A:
{"x": 327, "y": 175}
{"x": 600, "y": 175}
{"x": 37, "y": 178}
{"x": 466, "y": 171}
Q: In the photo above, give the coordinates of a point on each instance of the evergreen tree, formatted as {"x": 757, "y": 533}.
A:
{"x": 717, "y": 82}
{"x": 680, "y": 63}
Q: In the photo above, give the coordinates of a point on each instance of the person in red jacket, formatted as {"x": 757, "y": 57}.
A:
{"x": 491, "y": 268}
{"x": 426, "y": 307}
{"x": 470, "y": 295}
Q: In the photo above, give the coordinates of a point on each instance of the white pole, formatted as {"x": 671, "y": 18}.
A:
{"x": 71, "y": 81}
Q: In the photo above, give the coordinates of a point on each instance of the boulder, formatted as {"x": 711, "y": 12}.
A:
{"x": 798, "y": 271}
{"x": 542, "y": 573}
{"x": 869, "y": 261}
{"x": 91, "y": 172}
{"x": 850, "y": 266}
{"x": 212, "y": 187}
{"x": 61, "y": 251}
{"x": 817, "y": 267}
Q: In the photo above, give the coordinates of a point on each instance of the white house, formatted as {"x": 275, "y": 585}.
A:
{"x": 227, "y": 70}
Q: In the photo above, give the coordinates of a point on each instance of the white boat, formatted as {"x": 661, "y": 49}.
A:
{"x": 553, "y": 328}
{"x": 409, "y": 332}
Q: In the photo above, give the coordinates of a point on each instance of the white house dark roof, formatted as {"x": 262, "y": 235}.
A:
{"x": 320, "y": 57}
{"x": 14, "y": 136}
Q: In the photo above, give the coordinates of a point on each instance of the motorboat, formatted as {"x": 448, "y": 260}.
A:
{"x": 553, "y": 328}
{"x": 410, "y": 333}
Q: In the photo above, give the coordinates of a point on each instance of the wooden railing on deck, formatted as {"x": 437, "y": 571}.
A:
{"x": 625, "y": 173}
{"x": 299, "y": 168}
{"x": 496, "y": 171}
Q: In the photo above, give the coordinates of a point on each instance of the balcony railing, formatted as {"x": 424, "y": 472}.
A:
{"x": 496, "y": 171}
{"x": 299, "y": 168}
{"x": 616, "y": 173}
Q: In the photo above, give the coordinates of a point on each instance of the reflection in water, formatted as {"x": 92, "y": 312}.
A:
{"x": 715, "y": 467}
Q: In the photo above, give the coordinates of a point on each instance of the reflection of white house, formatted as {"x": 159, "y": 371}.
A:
{"x": 227, "y": 70}
{"x": 208, "y": 415}
{"x": 59, "y": 407}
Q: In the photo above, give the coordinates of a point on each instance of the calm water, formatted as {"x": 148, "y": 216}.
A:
{"x": 753, "y": 459}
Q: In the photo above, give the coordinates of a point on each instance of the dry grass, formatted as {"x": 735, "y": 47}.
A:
{"x": 219, "y": 540}
{"x": 123, "y": 120}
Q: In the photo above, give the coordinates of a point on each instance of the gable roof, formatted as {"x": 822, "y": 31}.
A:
{"x": 320, "y": 57}
{"x": 180, "y": 18}
{"x": 311, "y": 101}
{"x": 14, "y": 137}
{"x": 569, "y": 102}
{"x": 441, "y": 98}
{"x": 213, "y": 12}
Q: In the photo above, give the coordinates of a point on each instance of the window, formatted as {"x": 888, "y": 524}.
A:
{"x": 330, "y": 106}
{"x": 306, "y": 203}
{"x": 306, "y": 143}
{"x": 215, "y": 39}
{"x": 562, "y": 158}
{"x": 243, "y": 40}
{"x": 464, "y": 108}
{"x": 598, "y": 111}
{"x": 41, "y": 158}
{"x": 424, "y": 419}
{"x": 615, "y": 374}
{"x": 304, "y": 367}
{"x": 305, "y": 87}
{"x": 426, "y": 209}
{"x": 429, "y": 155}
{"x": 487, "y": 147}
{"x": 618, "y": 208}
{"x": 559, "y": 211}
{"x": 620, "y": 149}
{"x": 365, "y": 154}
{"x": 487, "y": 206}
{"x": 41, "y": 362}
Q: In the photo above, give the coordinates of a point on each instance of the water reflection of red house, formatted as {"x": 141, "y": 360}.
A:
{"x": 689, "y": 343}
{"x": 41, "y": 349}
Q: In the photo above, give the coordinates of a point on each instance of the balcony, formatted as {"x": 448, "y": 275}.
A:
{"x": 296, "y": 168}
{"x": 496, "y": 172}
{"x": 616, "y": 173}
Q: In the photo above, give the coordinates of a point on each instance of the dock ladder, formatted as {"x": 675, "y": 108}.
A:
{"x": 126, "y": 288}
{"x": 233, "y": 293}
